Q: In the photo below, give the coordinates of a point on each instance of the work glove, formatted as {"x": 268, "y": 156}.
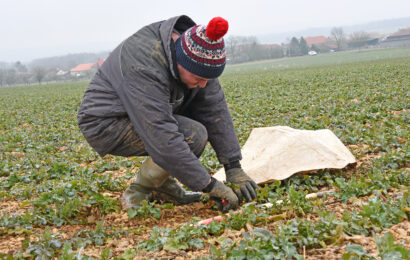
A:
{"x": 247, "y": 187}
{"x": 224, "y": 196}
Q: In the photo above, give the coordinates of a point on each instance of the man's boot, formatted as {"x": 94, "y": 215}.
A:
{"x": 153, "y": 178}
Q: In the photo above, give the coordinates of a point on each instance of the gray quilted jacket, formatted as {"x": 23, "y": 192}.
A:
{"x": 139, "y": 80}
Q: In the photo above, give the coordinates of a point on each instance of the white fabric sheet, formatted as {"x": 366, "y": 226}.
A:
{"x": 276, "y": 153}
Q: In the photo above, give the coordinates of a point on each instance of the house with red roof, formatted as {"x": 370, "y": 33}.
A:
{"x": 316, "y": 40}
{"x": 401, "y": 38}
{"x": 320, "y": 43}
{"x": 86, "y": 68}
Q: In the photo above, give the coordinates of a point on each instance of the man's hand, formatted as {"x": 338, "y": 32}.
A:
{"x": 246, "y": 185}
{"x": 220, "y": 192}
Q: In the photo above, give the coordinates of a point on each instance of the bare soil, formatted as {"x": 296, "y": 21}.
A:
{"x": 171, "y": 218}
{"x": 179, "y": 215}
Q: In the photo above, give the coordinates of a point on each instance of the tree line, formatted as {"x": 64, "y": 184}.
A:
{"x": 239, "y": 49}
{"x": 19, "y": 74}
{"x": 245, "y": 49}
{"x": 46, "y": 69}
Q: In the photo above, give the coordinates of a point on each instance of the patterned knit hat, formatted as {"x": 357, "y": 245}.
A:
{"x": 201, "y": 50}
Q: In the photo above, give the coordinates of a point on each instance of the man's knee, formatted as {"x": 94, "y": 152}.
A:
{"x": 129, "y": 144}
{"x": 194, "y": 132}
{"x": 200, "y": 135}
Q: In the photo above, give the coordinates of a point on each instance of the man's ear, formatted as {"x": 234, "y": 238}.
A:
{"x": 175, "y": 36}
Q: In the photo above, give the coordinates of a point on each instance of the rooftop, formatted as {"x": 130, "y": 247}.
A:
{"x": 316, "y": 40}
{"x": 83, "y": 67}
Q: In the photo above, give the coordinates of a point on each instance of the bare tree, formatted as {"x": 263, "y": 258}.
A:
{"x": 20, "y": 67}
{"x": 254, "y": 49}
{"x": 358, "y": 39}
{"x": 242, "y": 49}
{"x": 10, "y": 77}
{"x": 339, "y": 36}
{"x": 25, "y": 78}
{"x": 39, "y": 74}
{"x": 247, "y": 48}
{"x": 231, "y": 48}
{"x": 2, "y": 76}
{"x": 272, "y": 51}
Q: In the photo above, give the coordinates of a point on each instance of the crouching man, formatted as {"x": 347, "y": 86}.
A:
{"x": 158, "y": 95}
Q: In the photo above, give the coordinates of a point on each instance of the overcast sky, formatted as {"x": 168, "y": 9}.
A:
{"x": 32, "y": 29}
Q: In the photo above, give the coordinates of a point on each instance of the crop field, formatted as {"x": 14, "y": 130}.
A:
{"x": 326, "y": 59}
{"x": 59, "y": 199}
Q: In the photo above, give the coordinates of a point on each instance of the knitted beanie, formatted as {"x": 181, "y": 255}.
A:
{"x": 201, "y": 50}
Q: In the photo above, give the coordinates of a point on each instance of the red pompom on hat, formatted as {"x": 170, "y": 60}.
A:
{"x": 217, "y": 28}
{"x": 201, "y": 50}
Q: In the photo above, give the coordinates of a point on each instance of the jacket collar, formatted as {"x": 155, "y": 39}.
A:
{"x": 181, "y": 23}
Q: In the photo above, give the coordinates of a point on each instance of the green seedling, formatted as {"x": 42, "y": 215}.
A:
{"x": 146, "y": 210}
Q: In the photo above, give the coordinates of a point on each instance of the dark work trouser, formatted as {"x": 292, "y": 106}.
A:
{"x": 195, "y": 135}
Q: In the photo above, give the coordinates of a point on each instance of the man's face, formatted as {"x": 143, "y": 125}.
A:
{"x": 190, "y": 79}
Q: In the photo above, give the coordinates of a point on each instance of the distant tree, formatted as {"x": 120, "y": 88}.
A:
{"x": 20, "y": 67}
{"x": 243, "y": 49}
{"x": 294, "y": 48}
{"x": 52, "y": 74}
{"x": 2, "y": 76}
{"x": 338, "y": 35}
{"x": 25, "y": 78}
{"x": 39, "y": 74}
{"x": 273, "y": 52}
{"x": 11, "y": 77}
{"x": 254, "y": 50}
{"x": 304, "y": 48}
{"x": 285, "y": 49}
{"x": 358, "y": 39}
{"x": 232, "y": 43}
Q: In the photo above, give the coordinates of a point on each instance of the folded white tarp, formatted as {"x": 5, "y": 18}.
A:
{"x": 276, "y": 153}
